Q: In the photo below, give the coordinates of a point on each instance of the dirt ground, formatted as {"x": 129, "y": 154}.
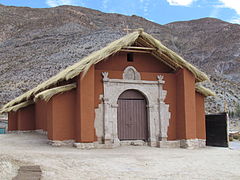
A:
{"x": 126, "y": 162}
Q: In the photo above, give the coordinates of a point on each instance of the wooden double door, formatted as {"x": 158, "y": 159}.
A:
{"x": 132, "y": 116}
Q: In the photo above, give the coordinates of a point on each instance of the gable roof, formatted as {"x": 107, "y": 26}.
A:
{"x": 163, "y": 53}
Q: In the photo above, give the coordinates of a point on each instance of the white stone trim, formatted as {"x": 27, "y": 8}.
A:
{"x": 106, "y": 113}
{"x": 132, "y": 81}
{"x": 130, "y": 73}
{"x": 228, "y": 128}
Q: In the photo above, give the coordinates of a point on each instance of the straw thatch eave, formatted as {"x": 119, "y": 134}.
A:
{"x": 165, "y": 55}
{"x": 48, "y": 94}
{"x": 17, "y": 107}
{"x": 174, "y": 57}
{"x": 204, "y": 91}
{"x": 81, "y": 66}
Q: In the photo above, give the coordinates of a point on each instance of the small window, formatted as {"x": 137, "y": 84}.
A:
{"x": 130, "y": 57}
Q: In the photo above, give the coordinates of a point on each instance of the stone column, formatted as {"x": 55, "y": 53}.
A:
{"x": 107, "y": 122}
{"x": 151, "y": 125}
{"x": 116, "y": 141}
{"x": 164, "y": 114}
{"x": 108, "y": 125}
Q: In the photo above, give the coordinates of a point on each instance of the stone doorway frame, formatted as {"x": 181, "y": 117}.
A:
{"x": 158, "y": 111}
{"x": 132, "y": 101}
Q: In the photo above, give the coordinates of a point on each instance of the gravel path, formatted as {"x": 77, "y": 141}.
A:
{"x": 127, "y": 162}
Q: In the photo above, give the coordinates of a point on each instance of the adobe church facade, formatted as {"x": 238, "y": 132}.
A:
{"x": 133, "y": 90}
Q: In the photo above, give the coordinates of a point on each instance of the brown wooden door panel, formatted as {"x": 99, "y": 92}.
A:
{"x": 132, "y": 118}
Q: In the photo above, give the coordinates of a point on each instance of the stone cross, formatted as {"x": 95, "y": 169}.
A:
{"x": 127, "y": 29}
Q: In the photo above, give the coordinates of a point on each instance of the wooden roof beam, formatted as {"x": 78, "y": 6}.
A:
{"x": 157, "y": 54}
{"x": 140, "y": 48}
{"x": 133, "y": 50}
{"x": 165, "y": 62}
{"x": 145, "y": 43}
{"x": 161, "y": 54}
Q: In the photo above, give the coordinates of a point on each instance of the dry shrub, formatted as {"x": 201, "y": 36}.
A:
{"x": 235, "y": 136}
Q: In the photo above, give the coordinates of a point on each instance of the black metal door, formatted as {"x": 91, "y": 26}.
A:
{"x": 132, "y": 116}
{"x": 216, "y": 130}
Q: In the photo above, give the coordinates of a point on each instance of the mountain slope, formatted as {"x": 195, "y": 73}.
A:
{"x": 37, "y": 43}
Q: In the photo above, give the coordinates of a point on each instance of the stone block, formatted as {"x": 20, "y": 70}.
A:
{"x": 84, "y": 145}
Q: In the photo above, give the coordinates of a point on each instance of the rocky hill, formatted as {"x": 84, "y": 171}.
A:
{"x": 37, "y": 43}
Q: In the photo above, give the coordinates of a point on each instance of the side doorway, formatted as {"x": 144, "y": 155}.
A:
{"x": 217, "y": 130}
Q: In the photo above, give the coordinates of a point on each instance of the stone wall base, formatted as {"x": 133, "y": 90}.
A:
{"x": 192, "y": 143}
{"x": 94, "y": 145}
{"x": 61, "y": 143}
{"x": 169, "y": 144}
{"x": 153, "y": 144}
{"x": 97, "y": 145}
{"x": 133, "y": 143}
{"x": 40, "y": 131}
{"x": 184, "y": 143}
{"x": 84, "y": 145}
{"x": 20, "y": 132}
{"x": 189, "y": 144}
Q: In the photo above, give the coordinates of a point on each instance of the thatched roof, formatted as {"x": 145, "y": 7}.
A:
{"x": 166, "y": 55}
{"x": 47, "y": 94}
{"x": 17, "y": 107}
{"x": 44, "y": 95}
{"x": 204, "y": 91}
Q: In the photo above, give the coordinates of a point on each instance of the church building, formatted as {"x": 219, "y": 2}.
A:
{"x": 134, "y": 90}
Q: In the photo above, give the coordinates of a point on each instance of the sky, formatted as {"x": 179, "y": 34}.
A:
{"x": 159, "y": 11}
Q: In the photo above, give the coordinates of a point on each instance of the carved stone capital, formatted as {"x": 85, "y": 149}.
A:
{"x": 160, "y": 79}
{"x": 105, "y": 76}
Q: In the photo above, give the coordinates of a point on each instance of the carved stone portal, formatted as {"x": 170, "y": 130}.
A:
{"x": 158, "y": 110}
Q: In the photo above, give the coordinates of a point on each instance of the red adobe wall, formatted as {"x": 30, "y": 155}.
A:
{"x": 200, "y": 116}
{"x": 85, "y": 112}
{"x": 71, "y": 115}
{"x": 61, "y": 116}
{"x": 149, "y": 67}
{"x": 12, "y": 121}
{"x": 50, "y": 119}
{"x": 142, "y": 62}
{"x": 25, "y": 118}
{"x": 186, "y": 105}
{"x": 41, "y": 114}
